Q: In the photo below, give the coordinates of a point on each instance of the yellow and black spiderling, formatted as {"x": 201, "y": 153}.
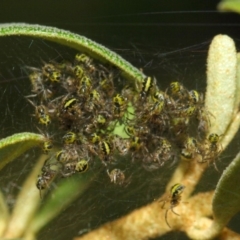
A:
{"x": 106, "y": 149}
{"x": 47, "y": 146}
{"x": 69, "y": 103}
{"x": 63, "y": 156}
{"x": 190, "y": 149}
{"x": 94, "y": 101}
{"x": 76, "y": 166}
{"x": 78, "y": 71}
{"x": 81, "y": 166}
{"x": 85, "y": 86}
{"x": 47, "y": 69}
{"x": 178, "y": 91}
{"x": 70, "y": 138}
{"x": 147, "y": 85}
{"x": 55, "y": 76}
{"x": 83, "y": 58}
{"x": 213, "y": 139}
{"x": 120, "y": 106}
{"x": 41, "y": 113}
{"x": 194, "y": 97}
{"x": 174, "y": 199}
{"x": 95, "y": 138}
{"x": 212, "y": 148}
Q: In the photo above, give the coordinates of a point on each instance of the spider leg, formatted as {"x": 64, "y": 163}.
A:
{"x": 173, "y": 211}
{"x": 215, "y": 165}
{"x": 166, "y": 218}
{"x": 163, "y": 203}
{"x": 40, "y": 192}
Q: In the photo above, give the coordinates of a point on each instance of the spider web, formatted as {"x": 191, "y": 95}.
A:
{"x": 102, "y": 202}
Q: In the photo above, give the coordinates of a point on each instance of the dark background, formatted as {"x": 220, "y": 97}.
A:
{"x": 168, "y": 39}
{"x": 151, "y": 34}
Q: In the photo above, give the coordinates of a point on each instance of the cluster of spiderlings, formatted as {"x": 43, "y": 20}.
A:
{"x": 78, "y": 102}
{"x": 82, "y": 102}
{"x": 170, "y": 125}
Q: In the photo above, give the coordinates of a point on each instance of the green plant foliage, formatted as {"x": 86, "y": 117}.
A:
{"x": 15, "y": 145}
{"x": 229, "y": 5}
{"x": 75, "y": 41}
{"x": 226, "y": 200}
{"x": 66, "y": 193}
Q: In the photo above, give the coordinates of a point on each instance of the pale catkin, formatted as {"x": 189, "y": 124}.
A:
{"x": 237, "y": 100}
{"x": 221, "y": 83}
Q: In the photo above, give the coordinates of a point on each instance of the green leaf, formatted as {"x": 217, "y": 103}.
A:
{"x": 229, "y": 5}
{"x": 4, "y": 217}
{"x": 75, "y": 41}
{"x": 119, "y": 128}
{"x": 13, "y": 146}
{"x": 67, "y": 192}
{"x": 226, "y": 200}
{"x": 23, "y": 213}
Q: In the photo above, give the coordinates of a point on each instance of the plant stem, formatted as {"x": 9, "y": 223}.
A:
{"x": 149, "y": 221}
